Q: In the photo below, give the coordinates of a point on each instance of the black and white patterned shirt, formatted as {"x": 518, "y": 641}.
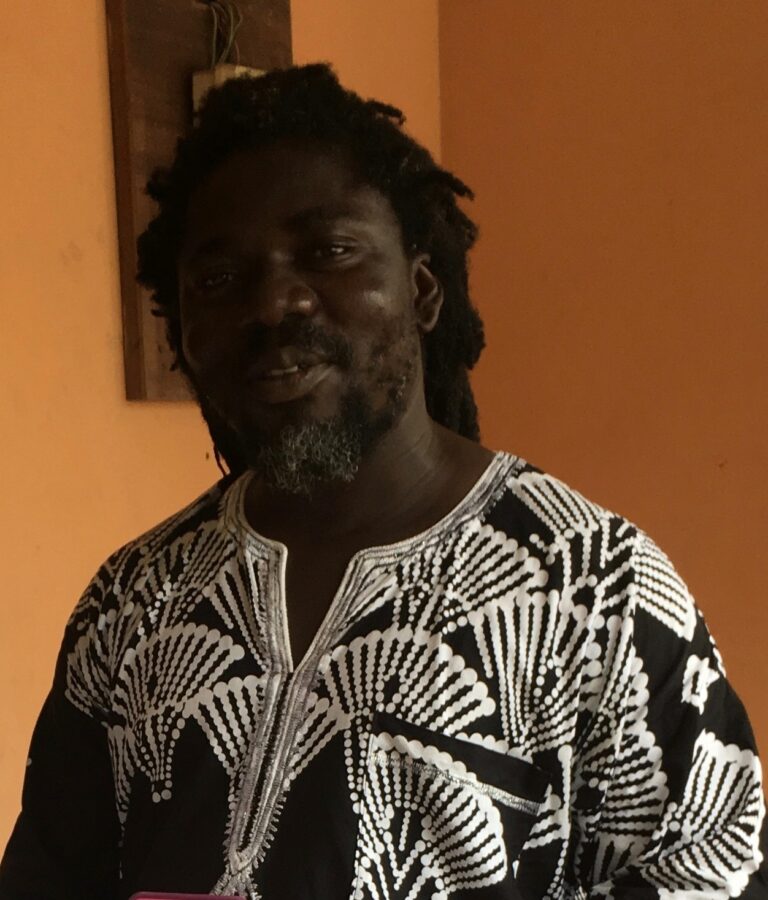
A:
{"x": 521, "y": 701}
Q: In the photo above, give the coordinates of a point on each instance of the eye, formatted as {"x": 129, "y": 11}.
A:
{"x": 329, "y": 251}
{"x": 216, "y": 280}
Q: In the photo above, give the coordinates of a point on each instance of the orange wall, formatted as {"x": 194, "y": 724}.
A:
{"x": 618, "y": 153}
{"x": 84, "y": 470}
{"x": 387, "y": 49}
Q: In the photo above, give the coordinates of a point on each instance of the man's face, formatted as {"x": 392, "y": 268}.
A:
{"x": 298, "y": 311}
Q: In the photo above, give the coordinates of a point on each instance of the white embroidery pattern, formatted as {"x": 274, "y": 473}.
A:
{"x": 524, "y": 643}
{"x": 433, "y": 686}
{"x": 424, "y": 834}
{"x": 715, "y": 824}
{"x": 697, "y": 680}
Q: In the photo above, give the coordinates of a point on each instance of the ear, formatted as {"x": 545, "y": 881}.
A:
{"x": 427, "y": 293}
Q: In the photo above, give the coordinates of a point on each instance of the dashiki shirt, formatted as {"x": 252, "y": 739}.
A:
{"x": 521, "y": 701}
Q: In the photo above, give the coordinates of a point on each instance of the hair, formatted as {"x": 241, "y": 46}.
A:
{"x": 308, "y": 103}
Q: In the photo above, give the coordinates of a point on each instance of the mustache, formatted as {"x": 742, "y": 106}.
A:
{"x": 304, "y": 335}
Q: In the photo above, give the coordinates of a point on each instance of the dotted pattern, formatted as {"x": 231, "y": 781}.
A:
{"x": 531, "y": 623}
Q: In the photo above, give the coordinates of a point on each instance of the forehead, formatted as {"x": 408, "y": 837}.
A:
{"x": 286, "y": 184}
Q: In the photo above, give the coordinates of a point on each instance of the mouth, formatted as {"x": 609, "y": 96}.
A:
{"x": 271, "y": 374}
{"x": 286, "y": 383}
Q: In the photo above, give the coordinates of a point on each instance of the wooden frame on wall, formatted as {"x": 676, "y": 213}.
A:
{"x": 154, "y": 48}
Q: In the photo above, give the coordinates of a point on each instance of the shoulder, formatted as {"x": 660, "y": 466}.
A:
{"x": 160, "y": 553}
{"x": 587, "y": 546}
{"x": 134, "y": 589}
{"x": 547, "y": 509}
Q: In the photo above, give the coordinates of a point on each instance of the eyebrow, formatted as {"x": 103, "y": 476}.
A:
{"x": 210, "y": 247}
{"x": 322, "y": 214}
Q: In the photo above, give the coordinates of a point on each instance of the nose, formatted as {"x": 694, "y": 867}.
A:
{"x": 278, "y": 291}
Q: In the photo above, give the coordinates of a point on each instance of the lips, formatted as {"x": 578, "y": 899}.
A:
{"x": 282, "y": 373}
{"x": 286, "y": 376}
{"x": 282, "y": 364}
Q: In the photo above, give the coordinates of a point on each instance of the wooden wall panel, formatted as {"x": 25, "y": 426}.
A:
{"x": 154, "y": 47}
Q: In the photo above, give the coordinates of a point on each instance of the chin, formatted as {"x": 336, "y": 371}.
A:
{"x": 304, "y": 451}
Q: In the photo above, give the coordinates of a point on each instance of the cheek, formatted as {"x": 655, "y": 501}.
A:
{"x": 393, "y": 336}
{"x": 382, "y": 310}
{"x": 205, "y": 342}
{"x": 193, "y": 346}
{"x": 393, "y": 356}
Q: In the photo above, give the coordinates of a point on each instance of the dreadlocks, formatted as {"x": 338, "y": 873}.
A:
{"x": 307, "y": 102}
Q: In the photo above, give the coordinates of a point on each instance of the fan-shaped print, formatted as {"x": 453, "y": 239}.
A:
{"x": 227, "y": 714}
{"x": 623, "y": 765}
{"x": 542, "y": 656}
{"x": 661, "y": 592}
{"x": 97, "y": 655}
{"x": 412, "y": 674}
{"x": 532, "y": 647}
{"x": 556, "y": 505}
{"x": 155, "y": 685}
{"x": 423, "y": 834}
{"x": 441, "y": 585}
{"x": 715, "y": 828}
{"x": 88, "y": 673}
{"x": 209, "y": 563}
{"x": 532, "y": 623}
{"x": 229, "y": 594}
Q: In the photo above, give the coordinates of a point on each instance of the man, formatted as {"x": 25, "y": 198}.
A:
{"x": 376, "y": 660}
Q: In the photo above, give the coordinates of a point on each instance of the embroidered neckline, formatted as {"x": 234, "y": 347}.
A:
{"x": 498, "y": 469}
{"x": 249, "y": 840}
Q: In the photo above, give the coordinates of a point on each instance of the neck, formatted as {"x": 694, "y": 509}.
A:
{"x": 396, "y": 482}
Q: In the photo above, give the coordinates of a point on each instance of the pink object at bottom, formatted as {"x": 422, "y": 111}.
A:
{"x": 154, "y": 895}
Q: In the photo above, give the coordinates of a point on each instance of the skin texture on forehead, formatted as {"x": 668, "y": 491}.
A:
{"x": 340, "y": 193}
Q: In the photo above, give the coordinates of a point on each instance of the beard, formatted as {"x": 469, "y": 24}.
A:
{"x": 304, "y": 456}
{"x": 300, "y": 457}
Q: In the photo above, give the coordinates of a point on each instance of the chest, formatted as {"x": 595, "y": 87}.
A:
{"x": 415, "y": 655}
{"x": 312, "y": 580}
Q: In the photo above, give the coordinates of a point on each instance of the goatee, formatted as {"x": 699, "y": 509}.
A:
{"x": 300, "y": 457}
{"x": 304, "y": 456}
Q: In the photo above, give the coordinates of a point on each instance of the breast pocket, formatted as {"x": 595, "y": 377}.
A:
{"x": 440, "y": 817}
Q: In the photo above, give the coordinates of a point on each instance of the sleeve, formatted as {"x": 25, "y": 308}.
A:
{"x": 677, "y": 809}
{"x": 66, "y": 838}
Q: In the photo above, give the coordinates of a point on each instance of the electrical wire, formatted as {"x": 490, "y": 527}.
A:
{"x": 227, "y": 19}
